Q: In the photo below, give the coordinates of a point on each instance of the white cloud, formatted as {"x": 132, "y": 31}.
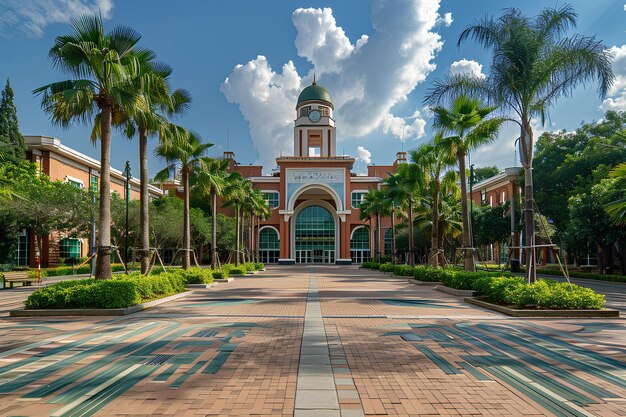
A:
{"x": 364, "y": 155}
{"x": 30, "y": 17}
{"x": 446, "y": 20}
{"x": 618, "y": 90}
{"x": 365, "y": 79}
{"x": 465, "y": 66}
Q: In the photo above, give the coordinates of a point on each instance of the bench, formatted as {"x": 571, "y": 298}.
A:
{"x": 16, "y": 276}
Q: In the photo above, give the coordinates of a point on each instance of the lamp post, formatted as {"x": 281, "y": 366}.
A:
{"x": 127, "y": 172}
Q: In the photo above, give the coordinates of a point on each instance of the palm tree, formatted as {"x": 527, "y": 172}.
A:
{"x": 467, "y": 121}
{"x": 212, "y": 179}
{"x": 534, "y": 64}
{"x": 234, "y": 196}
{"x": 403, "y": 190}
{"x": 259, "y": 209}
{"x": 103, "y": 65}
{"x": 184, "y": 153}
{"x": 374, "y": 205}
{"x": 430, "y": 161}
{"x": 153, "y": 101}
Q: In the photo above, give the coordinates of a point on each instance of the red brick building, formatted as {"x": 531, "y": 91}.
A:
{"x": 65, "y": 164}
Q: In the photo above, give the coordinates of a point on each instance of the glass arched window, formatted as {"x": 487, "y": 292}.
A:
{"x": 315, "y": 236}
{"x": 69, "y": 248}
{"x": 269, "y": 245}
{"x": 360, "y": 245}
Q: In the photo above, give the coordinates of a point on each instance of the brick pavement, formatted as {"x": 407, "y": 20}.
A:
{"x": 234, "y": 350}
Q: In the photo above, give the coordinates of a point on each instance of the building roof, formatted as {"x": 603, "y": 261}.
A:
{"x": 315, "y": 92}
{"x": 503, "y": 177}
{"x": 54, "y": 144}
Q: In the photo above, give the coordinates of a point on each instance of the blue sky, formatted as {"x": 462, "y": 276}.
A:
{"x": 245, "y": 61}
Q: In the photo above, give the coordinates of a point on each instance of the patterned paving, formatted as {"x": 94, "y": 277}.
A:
{"x": 235, "y": 350}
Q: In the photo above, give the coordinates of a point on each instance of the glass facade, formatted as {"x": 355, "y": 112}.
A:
{"x": 269, "y": 245}
{"x": 272, "y": 198}
{"x": 360, "y": 245}
{"x": 315, "y": 236}
{"x": 70, "y": 248}
{"x": 22, "y": 252}
{"x": 357, "y": 198}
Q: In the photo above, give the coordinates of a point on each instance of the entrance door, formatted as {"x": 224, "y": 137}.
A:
{"x": 315, "y": 235}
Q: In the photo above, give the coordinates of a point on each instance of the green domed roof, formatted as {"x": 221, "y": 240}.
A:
{"x": 315, "y": 92}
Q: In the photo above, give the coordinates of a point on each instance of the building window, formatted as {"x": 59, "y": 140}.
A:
{"x": 304, "y": 112}
{"x": 357, "y": 198}
{"x": 315, "y": 236}
{"x": 269, "y": 245}
{"x": 388, "y": 242}
{"x": 491, "y": 201}
{"x": 75, "y": 182}
{"x": 22, "y": 252}
{"x": 70, "y": 248}
{"x": 315, "y": 151}
{"x": 272, "y": 198}
{"x": 94, "y": 183}
{"x": 324, "y": 110}
{"x": 360, "y": 245}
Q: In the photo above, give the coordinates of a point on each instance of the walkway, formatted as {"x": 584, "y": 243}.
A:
{"x": 312, "y": 341}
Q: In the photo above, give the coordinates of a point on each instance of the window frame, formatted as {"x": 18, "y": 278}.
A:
{"x": 363, "y": 192}
{"x": 267, "y": 200}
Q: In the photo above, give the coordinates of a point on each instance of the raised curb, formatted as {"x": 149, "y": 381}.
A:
{"x": 198, "y": 285}
{"x": 237, "y": 275}
{"x": 454, "y": 291}
{"x": 224, "y": 280}
{"x": 417, "y": 282}
{"x": 96, "y": 311}
{"x": 542, "y": 313}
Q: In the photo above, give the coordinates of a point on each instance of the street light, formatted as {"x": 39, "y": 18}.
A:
{"x": 127, "y": 172}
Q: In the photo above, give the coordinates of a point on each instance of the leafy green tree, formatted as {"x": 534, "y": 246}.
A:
{"x": 591, "y": 230}
{"x": 491, "y": 224}
{"x": 484, "y": 173}
{"x": 617, "y": 209}
{"x": 375, "y": 205}
{"x": 9, "y": 127}
{"x": 184, "y": 155}
{"x": 534, "y": 64}
{"x": 403, "y": 190}
{"x": 47, "y": 206}
{"x": 103, "y": 65}
{"x": 570, "y": 163}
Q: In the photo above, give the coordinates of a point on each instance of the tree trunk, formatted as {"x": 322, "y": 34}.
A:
{"x": 468, "y": 255}
{"x": 411, "y": 240}
{"x": 214, "y": 229}
{"x": 144, "y": 201}
{"x": 378, "y": 237}
{"x": 186, "y": 225}
{"x": 237, "y": 240}
{"x": 433, "y": 258}
{"x": 103, "y": 259}
{"x": 529, "y": 218}
{"x": 393, "y": 235}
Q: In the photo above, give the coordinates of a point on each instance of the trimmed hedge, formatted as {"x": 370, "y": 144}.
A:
{"x": 259, "y": 265}
{"x": 585, "y": 275}
{"x": 386, "y": 267}
{"x": 238, "y": 271}
{"x": 69, "y": 270}
{"x": 546, "y": 294}
{"x": 370, "y": 265}
{"x": 196, "y": 275}
{"x": 403, "y": 270}
{"x": 427, "y": 273}
{"x": 120, "y": 292}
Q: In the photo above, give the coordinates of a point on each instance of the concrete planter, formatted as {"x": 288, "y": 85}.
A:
{"x": 514, "y": 312}
{"x": 96, "y": 311}
{"x": 224, "y": 280}
{"x": 416, "y": 282}
{"x": 196, "y": 286}
{"x": 237, "y": 276}
{"x": 454, "y": 291}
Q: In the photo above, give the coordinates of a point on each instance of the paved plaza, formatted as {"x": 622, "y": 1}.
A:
{"x": 311, "y": 341}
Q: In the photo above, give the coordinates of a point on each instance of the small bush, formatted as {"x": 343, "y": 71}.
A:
{"x": 427, "y": 273}
{"x": 237, "y": 271}
{"x": 403, "y": 270}
{"x": 259, "y": 265}
{"x": 495, "y": 289}
{"x": 387, "y": 267}
{"x": 217, "y": 274}
{"x": 86, "y": 293}
{"x": 197, "y": 276}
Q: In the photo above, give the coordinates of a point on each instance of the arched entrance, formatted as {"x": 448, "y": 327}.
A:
{"x": 269, "y": 245}
{"x": 314, "y": 235}
{"x": 360, "y": 245}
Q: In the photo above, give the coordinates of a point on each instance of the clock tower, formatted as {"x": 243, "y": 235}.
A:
{"x": 314, "y": 130}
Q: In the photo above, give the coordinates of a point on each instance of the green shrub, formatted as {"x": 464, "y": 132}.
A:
{"x": 217, "y": 274}
{"x": 586, "y": 275}
{"x": 427, "y": 273}
{"x": 403, "y": 270}
{"x": 554, "y": 295}
{"x": 259, "y": 265}
{"x": 366, "y": 265}
{"x": 237, "y": 271}
{"x": 86, "y": 293}
{"x": 463, "y": 280}
{"x": 196, "y": 275}
{"x": 385, "y": 259}
{"x": 495, "y": 289}
{"x": 387, "y": 267}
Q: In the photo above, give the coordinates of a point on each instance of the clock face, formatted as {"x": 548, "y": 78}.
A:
{"x": 315, "y": 116}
